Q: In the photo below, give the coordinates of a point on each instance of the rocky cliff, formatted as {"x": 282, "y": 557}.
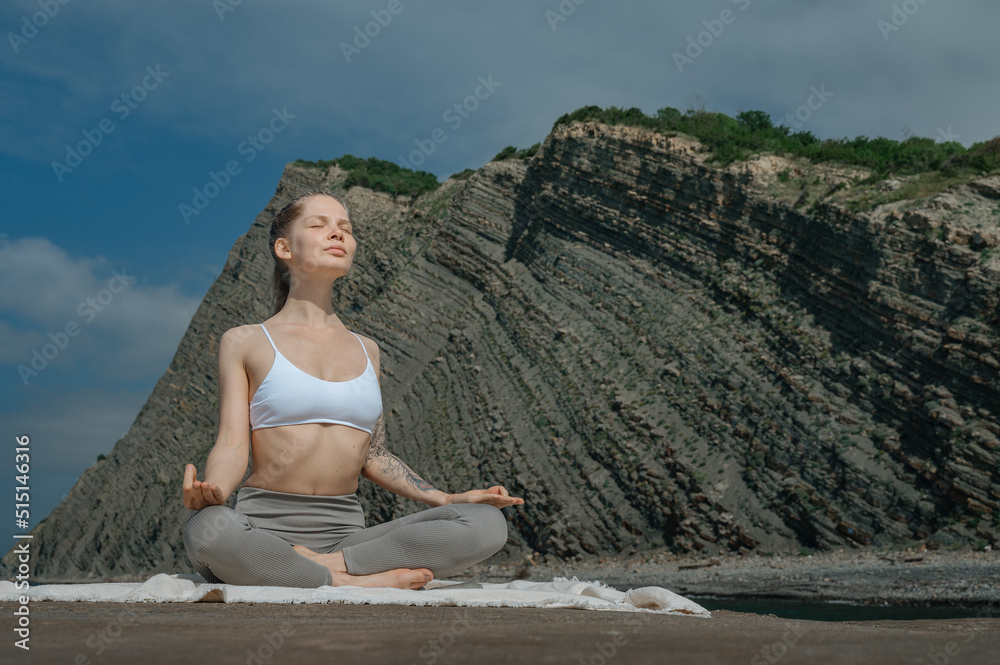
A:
{"x": 651, "y": 351}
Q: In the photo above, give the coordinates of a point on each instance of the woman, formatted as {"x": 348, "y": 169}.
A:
{"x": 286, "y": 388}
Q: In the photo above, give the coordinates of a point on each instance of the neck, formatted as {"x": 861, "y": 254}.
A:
{"x": 309, "y": 303}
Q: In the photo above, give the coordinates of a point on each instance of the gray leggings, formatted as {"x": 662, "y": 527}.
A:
{"x": 251, "y": 543}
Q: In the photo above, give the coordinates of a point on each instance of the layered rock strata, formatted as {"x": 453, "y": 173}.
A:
{"x": 652, "y": 352}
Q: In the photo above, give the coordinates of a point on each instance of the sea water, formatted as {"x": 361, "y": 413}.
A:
{"x": 833, "y": 610}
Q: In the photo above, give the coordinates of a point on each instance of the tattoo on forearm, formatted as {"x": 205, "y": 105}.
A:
{"x": 376, "y": 448}
{"x": 391, "y": 467}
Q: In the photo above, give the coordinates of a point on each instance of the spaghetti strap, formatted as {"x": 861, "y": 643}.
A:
{"x": 269, "y": 338}
{"x": 362, "y": 345}
{"x": 290, "y": 396}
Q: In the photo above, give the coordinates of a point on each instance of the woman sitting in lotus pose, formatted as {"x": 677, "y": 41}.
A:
{"x": 286, "y": 388}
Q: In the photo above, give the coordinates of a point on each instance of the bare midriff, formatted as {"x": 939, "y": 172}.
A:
{"x": 312, "y": 458}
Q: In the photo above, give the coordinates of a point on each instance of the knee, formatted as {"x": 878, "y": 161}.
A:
{"x": 206, "y": 527}
{"x": 492, "y": 525}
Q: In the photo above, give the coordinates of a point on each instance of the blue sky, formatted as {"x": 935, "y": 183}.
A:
{"x": 114, "y": 113}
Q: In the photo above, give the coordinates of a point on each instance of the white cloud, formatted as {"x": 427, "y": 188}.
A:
{"x": 84, "y": 316}
{"x": 227, "y": 75}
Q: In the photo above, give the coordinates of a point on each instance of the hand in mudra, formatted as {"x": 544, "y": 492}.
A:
{"x": 199, "y": 494}
{"x": 495, "y": 496}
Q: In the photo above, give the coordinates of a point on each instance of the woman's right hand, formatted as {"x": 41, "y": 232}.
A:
{"x": 199, "y": 494}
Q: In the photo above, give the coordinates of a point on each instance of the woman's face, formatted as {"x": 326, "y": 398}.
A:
{"x": 322, "y": 239}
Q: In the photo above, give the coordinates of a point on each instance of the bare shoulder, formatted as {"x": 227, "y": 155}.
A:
{"x": 240, "y": 334}
{"x": 372, "y": 347}
{"x": 241, "y": 339}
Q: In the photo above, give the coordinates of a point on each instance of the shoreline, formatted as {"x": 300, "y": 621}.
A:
{"x": 899, "y": 578}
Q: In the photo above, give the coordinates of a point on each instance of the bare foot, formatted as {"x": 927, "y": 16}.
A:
{"x": 397, "y": 578}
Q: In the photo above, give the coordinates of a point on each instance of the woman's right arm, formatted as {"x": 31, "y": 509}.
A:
{"x": 227, "y": 462}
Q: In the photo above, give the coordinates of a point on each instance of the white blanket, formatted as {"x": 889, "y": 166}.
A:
{"x": 560, "y": 592}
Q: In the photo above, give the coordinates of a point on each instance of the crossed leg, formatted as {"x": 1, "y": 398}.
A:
{"x": 443, "y": 539}
{"x": 224, "y": 547}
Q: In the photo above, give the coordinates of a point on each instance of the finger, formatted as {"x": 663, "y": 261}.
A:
{"x": 189, "y": 476}
{"x": 190, "y": 491}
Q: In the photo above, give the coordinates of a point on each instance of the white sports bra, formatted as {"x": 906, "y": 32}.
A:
{"x": 289, "y": 396}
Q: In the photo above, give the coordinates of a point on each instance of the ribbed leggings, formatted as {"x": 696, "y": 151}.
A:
{"x": 251, "y": 543}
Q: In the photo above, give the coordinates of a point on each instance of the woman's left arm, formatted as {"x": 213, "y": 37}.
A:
{"x": 388, "y": 471}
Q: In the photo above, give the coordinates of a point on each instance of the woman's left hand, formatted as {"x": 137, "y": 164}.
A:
{"x": 495, "y": 496}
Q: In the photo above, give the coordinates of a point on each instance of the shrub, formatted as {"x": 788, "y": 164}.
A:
{"x": 380, "y": 175}
{"x": 751, "y": 132}
{"x": 510, "y": 152}
{"x": 528, "y": 153}
{"x": 754, "y": 120}
{"x": 507, "y": 153}
{"x": 982, "y": 157}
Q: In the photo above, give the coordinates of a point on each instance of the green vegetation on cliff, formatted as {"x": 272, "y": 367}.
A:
{"x": 511, "y": 152}
{"x": 379, "y": 175}
{"x": 733, "y": 139}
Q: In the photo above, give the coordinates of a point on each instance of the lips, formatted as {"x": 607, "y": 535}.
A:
{"x": 337, "y": 248}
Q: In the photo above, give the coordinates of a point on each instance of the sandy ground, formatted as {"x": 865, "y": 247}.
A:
{"x": 217, "y": 633}
{"x": 258, "y": 634}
